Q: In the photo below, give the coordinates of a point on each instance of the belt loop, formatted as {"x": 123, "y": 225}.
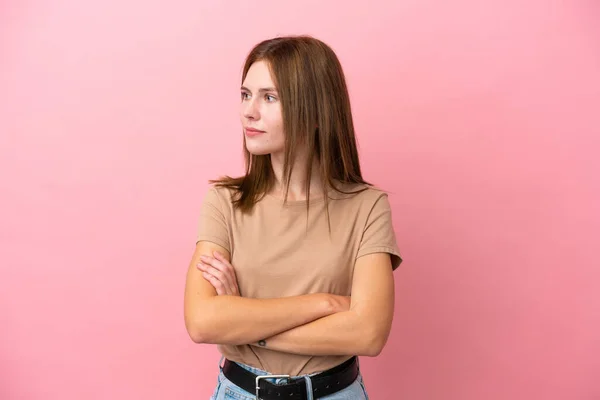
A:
{"x": 309, "y": 388}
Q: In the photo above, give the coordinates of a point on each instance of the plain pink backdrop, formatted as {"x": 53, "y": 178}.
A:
{"x": 481, "y": 118}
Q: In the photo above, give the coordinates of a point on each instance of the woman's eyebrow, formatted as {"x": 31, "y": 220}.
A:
{"x": 269, "y": 89}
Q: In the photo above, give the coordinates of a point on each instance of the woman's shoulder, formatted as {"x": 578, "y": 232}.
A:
{"x": 219, "y": 195}
{"x": 359, "y": 192}
{"x": 220, "y": 190}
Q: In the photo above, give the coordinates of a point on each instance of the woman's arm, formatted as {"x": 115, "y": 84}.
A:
{"x": 363, "y": 330}
{"x": 236, "y": 320}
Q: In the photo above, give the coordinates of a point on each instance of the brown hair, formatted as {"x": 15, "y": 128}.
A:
{"x": 316, "y": 114}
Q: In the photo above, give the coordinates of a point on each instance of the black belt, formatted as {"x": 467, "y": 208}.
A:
{"x": 323, "y": 384}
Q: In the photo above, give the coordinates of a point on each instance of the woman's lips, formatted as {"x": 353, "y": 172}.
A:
{"x": 252, "y": 132}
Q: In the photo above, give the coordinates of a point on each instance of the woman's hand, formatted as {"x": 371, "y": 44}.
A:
{"x": 339, "y": 303}
{"x": 220, "y": 273}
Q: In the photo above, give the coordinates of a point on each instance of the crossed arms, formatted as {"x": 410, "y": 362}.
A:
{"x": 320, "y": 324}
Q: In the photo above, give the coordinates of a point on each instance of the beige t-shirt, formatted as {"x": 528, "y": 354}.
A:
{"x": 275, "y": 256}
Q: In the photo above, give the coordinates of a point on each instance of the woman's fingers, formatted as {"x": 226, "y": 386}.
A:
{"x": 216, "y": 273}
{"x": 221, "y": 257}
{"x": 225, "y": 273}
{"x": 228, "y": 270}
{"x": 226, "y": 264}
{"x": 217, "y": 284}
{"x": 222, "y": 271}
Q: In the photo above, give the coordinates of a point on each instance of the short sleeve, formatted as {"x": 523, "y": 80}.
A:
{"x": 212, "y": 224}
{"x": 378, "y": 235}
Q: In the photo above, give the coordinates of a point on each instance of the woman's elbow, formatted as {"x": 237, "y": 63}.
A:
{"x": 373, "y": 343}
{"x": 195, "y": 332}
{"x": 200, "y": 330}
{"x": 372, "y": 349}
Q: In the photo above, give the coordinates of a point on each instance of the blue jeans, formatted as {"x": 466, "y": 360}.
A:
{"x": 227, "y": 390}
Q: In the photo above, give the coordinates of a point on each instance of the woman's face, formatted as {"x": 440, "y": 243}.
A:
{"x": 260, "y": 112}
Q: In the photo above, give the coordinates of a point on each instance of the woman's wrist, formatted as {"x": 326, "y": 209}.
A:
{"x": 331, "y": 303}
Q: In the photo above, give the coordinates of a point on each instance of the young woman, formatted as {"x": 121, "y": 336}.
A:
{"x": 292, "y": 272}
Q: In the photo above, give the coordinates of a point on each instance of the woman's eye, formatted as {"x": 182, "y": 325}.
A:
{"x": 270, "y": 98}
{"x": 244, "y": 95}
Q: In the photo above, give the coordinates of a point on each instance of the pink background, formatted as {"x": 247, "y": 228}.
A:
{"x": 481, "y": 118}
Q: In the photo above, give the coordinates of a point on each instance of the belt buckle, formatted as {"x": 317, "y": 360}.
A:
{"x": 258, "y": 378}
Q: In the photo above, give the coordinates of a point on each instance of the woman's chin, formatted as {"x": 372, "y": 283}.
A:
{"x": 259, "y": 150}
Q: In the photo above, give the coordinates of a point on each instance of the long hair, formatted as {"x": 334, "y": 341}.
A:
{"x": 316, "y": 115}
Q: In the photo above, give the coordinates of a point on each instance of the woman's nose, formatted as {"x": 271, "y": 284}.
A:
{"x": 250, "y": 110}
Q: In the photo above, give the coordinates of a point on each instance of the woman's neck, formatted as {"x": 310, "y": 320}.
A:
{"x": 297, "y": 189}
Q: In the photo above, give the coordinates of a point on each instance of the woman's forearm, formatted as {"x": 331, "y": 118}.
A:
{"x": 343, "y": 333}
{"x": 238, "y": 320}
